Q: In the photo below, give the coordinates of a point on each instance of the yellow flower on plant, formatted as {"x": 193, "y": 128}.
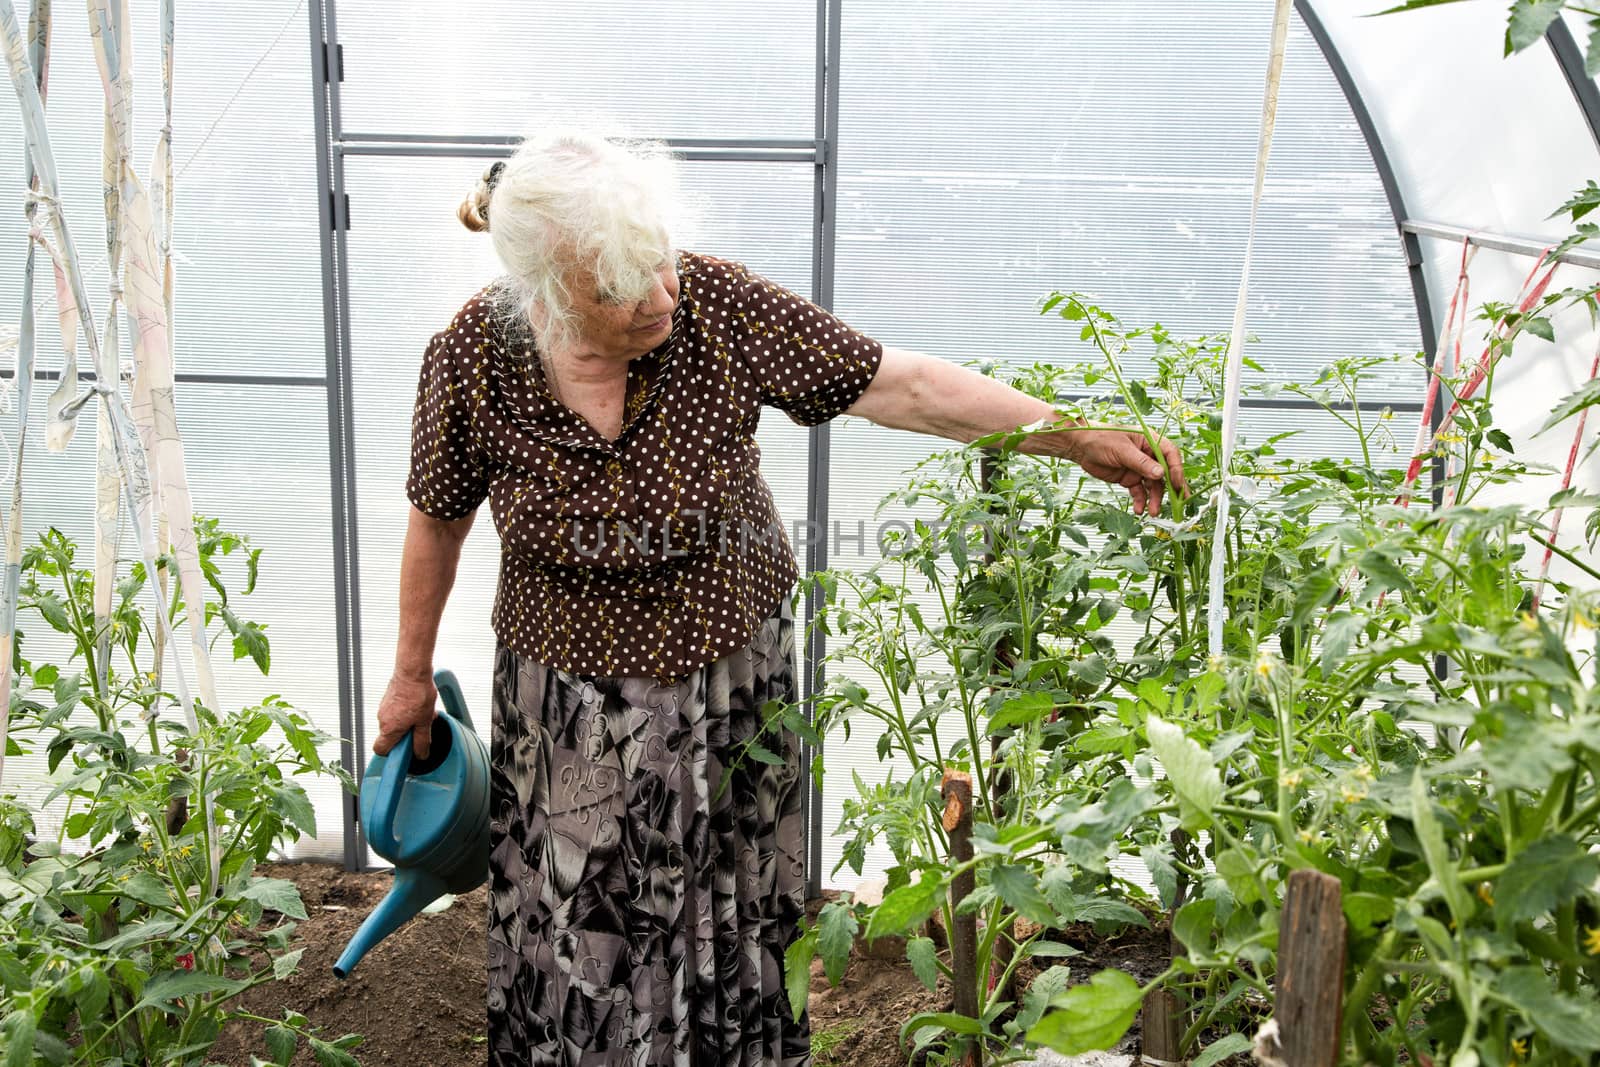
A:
{"x": 1519, "y": 1049}
{"x": 1583, "y": 619}
{"x": 1591, "y": 940}
{"x": 1306, "y": 837}
{"x": 146, "y": 845}
{"x": 1364, "y": 773}
{"x": 185, "y": 850}
{"x": 1266, "y": 663}
{"x": 1486, "y": 894}
{"x": 1352, "y": 796}
{"x": 1291, "y": 780}
{"x": 1215, "y": 663}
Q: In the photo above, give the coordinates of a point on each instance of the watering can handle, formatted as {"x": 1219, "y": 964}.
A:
{"x": 450, "y": 693}
{"x": 381, "y": 832}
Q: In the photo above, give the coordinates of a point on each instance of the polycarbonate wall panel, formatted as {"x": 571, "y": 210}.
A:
{"x": 248, "y": 284}
{"x": 716, "y": 68}
{"x": 987, "y": 159}
{"x": 258, "y": 462}
{"x": 412, "y": 265}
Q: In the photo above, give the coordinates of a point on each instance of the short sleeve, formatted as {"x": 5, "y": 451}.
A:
{"x": 806, "y": 363}
{"x": 448, "y": 477}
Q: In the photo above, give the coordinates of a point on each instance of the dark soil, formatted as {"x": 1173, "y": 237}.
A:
{"x": 418, "y": 997}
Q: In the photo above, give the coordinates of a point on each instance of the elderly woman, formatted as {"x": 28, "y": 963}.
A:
{"x": 603, "y": 396}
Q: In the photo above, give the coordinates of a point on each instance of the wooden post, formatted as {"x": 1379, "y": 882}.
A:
{"x": 1309, "y": 1004}
{"x": 1162, "y": 1042}
{"x": 956, "y": 790}
{"x": 1162, "y": 1020}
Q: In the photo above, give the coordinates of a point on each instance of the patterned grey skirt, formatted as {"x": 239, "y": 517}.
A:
{"x": 639, "y": 907}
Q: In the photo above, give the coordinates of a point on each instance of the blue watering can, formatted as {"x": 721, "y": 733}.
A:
{"x": 429, "y": 818}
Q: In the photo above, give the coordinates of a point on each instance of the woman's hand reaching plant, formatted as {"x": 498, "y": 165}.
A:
{"x": 1126, "y": 458}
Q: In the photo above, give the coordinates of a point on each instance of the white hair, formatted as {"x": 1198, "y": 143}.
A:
{"x": 576, "y": 199}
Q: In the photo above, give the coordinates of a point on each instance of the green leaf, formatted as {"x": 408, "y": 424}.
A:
{"x": 905, "y": 907}
{"x": 329, "y": 1054}
{"x": 1049, "y": 984}
{"x": 1529, "y": 21}
{"x": 168, "y": 986}
{"x": 19, "y": 1028}
{"x": 1337, "y": 637}
{"x": 1194, "y": 777}
{"x": 762, "y": 754}
{"x": 1542, "y": 875}
{"x": 1089, "y": 1017}
{"x": 1431, "y": 838}
{"x": 1568, "y": 1021}
{"x": 146, "y": 888}
{"x": 797, "y": 971}
{"x": 1591, "y": 59}
{"x": 249, "y": 639}
{"x": 1585, "y": 397}
{"x": 54, "y": 612}
{"x": 1367, "y": 910}
{"x": 924, "y": 960}
{"x": 1162, "y": 873}
{"x": 1539, "y": 328}
{"x": 1316, "y": 589}
{"x": 1192, "y": 925}
{"x": 944, "y": 1020}
{"x": 1020, "y": 889}
{"x": 285, "y": 965}
{"x": 837, "y": 926}
{"x": 281, "y": 1043}
{"x": 1500, "y": 439}
{"x": 1218, "y": 1051}
{"x": 279, "y": 894}
{"x": 1029, "y": 707}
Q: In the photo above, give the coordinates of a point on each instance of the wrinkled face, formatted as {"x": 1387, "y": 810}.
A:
{"x": 616, "y": 328}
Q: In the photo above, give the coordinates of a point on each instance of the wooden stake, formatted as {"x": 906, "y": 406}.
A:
{"x": 1310, "y": 986}
{"x": 1159, "y": 1023}
{"x": 956, "y": 790}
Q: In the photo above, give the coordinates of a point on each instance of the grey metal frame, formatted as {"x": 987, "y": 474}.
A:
{"x": 1584, "y": 91}
{"x": 327, "y": 71}
{"x": 1532, "y": 247}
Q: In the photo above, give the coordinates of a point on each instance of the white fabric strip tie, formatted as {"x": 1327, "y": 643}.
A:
{"x": 147, "y": 305}
{"x": 38, "y": 68}
{"x": 1234, "y": 366}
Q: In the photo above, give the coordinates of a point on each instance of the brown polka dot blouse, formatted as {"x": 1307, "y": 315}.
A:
{"x": 659, "y": 552}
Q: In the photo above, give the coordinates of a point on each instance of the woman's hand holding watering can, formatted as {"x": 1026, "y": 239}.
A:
{"x": 408, "y": 702}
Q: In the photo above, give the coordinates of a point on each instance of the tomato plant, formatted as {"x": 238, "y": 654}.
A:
{"x": 116, "y": 945}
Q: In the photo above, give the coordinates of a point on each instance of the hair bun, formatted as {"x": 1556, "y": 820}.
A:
{"x": 474, "y": 210}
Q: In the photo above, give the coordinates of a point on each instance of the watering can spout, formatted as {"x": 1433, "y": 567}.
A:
{"x": 413, "y": 890}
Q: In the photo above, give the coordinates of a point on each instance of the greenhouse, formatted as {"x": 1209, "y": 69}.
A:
{"x": 1032, "y": 532}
